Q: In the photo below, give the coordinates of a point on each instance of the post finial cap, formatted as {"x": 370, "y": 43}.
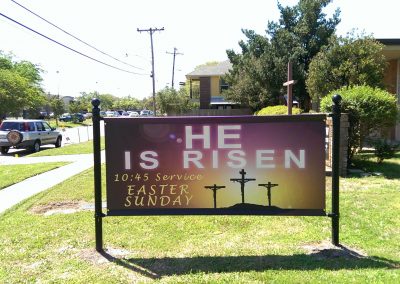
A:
{"x": 95, "y": 102}
{"x": 336, "y": 99}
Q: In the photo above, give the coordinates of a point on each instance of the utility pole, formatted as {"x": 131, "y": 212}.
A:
{"x": 151, "y": 31}
{"x": 173, "y": 64}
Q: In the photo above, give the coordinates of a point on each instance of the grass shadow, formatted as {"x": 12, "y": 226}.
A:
{"x": 390, "y": 168}
{"x": 328, "y": 259}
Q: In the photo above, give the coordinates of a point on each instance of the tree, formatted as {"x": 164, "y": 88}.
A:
{"x": 260, "y": 70}
{"x": 77, "y": 106}
{"x": 19, "y": 86}
{"x": 346, "y": 62}
{"x": 170, "y": 101}
{"x": 209, "y": 63}
{"x": 107, "y": 101}
{"x": 369, "y": 109}
{"x": 127, "y": 103}
{"x": 84, "y": 101}
{"x": 57, "y": 105}
{"x": 30, "y": 71}
{"x": 147, "y": 103}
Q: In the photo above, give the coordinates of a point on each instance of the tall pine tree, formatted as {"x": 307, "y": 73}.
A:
{"x": 260, "y": 69}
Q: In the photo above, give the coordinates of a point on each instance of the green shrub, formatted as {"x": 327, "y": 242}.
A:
{"x": 383, "y": 149}
{"x": 276, "y": 110}
{"x": 368, "y": 109}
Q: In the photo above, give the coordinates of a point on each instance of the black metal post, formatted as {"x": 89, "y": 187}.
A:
{"x": 336, "y": 113}
{"x": 98, "y": 214}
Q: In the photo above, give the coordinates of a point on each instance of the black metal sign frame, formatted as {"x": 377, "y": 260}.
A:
{"x": 334, "y": 215}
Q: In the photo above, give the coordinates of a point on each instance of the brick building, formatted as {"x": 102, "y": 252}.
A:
{"x": 391, "y": 80}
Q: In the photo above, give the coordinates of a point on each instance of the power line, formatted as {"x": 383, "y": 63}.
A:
{"x": 151, "y": 31}
{"x": 139, "y": 56}
{"x": 71, "y": 35}
{"x": 69, "y": 48}
{"x": 175, "y": 53}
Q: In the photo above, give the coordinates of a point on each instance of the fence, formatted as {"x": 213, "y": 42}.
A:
{"x": 79, "y": 134}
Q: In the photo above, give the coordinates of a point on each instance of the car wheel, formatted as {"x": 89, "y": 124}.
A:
{"x": 58, "y": 142}
{"x": 14, "y": 137}
{"x": 4, "y": 150}
{"x": 36, "y": 146}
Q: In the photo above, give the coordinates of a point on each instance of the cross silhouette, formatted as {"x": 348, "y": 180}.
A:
{"x": 242, "y": 181}
{"x": 268, "y": 186}
{"x": 290, "y": 82}
{"x": 214, "y": 189}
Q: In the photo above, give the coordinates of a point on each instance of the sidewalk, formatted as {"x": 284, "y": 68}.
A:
{"x": 16, "y": 193}
{"x": 10, "y": 160}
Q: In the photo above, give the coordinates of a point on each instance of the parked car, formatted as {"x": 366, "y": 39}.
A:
{"x": 111, "y": 113}
{"x": 27, "y": 133}
{"x": 133, "y": 114}
{"x": 78, "y": 117}
{"x": 146, "y": 112}
{"x": 65, "y": 117}
{"x": 87, "y": 115}
{"x": 43, "y": 114}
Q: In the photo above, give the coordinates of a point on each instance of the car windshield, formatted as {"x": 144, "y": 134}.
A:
{"x": 9, "y": 125}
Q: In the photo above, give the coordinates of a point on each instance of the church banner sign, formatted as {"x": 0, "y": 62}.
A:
{"x": 250, "y": 165}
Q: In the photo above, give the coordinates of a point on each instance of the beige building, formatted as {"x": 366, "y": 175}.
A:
{"x": 391, "y": 80}
{"x": 207, "y": 83}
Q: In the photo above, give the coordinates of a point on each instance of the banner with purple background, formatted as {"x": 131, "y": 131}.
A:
{"x": 258, "y": 165}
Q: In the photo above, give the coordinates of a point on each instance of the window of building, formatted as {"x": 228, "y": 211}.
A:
{"x": 223, "y": 85}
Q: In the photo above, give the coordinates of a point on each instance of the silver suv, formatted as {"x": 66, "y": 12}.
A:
{"x": 27, "y": 133}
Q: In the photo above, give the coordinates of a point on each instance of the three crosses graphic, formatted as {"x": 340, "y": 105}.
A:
{"x": 242, "y": 180}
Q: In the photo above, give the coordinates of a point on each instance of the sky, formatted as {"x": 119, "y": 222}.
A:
{"x": 201, "y": 30}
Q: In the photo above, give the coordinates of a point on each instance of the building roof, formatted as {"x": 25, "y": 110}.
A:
{"x": 391, "y": 48}
{"x": 389, "y": 41}
{"x": 219, "y": 69}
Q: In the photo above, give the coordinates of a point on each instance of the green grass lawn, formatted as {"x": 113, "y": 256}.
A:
{"x": 59, "y": 248}
{"x": 69, "y": 124}
{"x": 72, "y": 149}
{"x": 11, "y": 174}
{"x": 389, "y": 168}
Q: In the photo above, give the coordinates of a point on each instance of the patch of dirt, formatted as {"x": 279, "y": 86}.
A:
{"x": 34, "y": 265}
{"x": 325, "y": 250}
{"x": 92, "y": 256}
{"x": 118, "y": 259}
{"x": 109, "y": 255}
{"x": 63, "y": 207}
{"x": 64, "y": 249}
